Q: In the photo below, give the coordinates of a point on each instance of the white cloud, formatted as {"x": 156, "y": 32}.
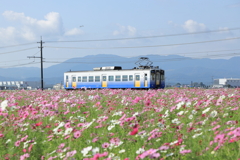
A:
{"x": 125, "y": 30}
{"x": 193, "y": 26}
{"x": 74, "y": 31}
{"x": 31, "y": 29}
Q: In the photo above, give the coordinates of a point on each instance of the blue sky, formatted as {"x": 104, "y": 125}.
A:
{"x": 27, "y": 21}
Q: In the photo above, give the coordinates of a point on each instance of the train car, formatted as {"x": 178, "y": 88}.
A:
{"x": 143, "y": 77}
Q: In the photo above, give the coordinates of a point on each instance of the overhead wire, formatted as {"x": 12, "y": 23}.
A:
{"x": 163, "y": 60}
{"x": 17, "y": 65}
{"x": 18, "y": 50}
{"x": 156, "y": 54}
{"x": 178, "y": 44}
{"x": 144, "y": 37}
{"x": 17, "y": 45}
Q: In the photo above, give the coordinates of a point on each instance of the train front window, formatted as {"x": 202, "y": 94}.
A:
{"x": 84, "y": 79}
{"x": 79, "y": 79}
{"x": 117, "y": 78}
{"x": 90, "y": 79}
{"x": 145, "y": 77}
{"x": 124, "y": 78}
{"x": 97, "y": 78}
{"x": 73, "y": 79}
{"x": 130, "y": 77}
{"x": 110, "y": 78}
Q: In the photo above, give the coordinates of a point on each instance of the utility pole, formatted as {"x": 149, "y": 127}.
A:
{"x": 41, "y": 57}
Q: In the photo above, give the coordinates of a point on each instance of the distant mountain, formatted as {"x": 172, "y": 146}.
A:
{"x": 178, "y": 69}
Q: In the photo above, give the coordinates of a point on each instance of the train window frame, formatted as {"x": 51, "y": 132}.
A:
{"x": 137, "y": 79}
{"x": 110, "y": 78}
{"x": 153, "y": 76}
{"x": 74, "y": 79}
{"x": 79, "y": 79}
{"x": 118, "y": 78}
{"x": 97, "y": 78}
{"x": 84, "y": 79}
{"x": 124, "y": 78}
{"x": 130, "y": 77}
{"x": 90, "y": 78}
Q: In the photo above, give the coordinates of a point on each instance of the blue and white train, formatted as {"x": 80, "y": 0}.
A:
{"x": 115, "y": 77}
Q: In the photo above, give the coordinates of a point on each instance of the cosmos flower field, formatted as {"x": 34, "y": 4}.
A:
{"x": 178, "y": 124}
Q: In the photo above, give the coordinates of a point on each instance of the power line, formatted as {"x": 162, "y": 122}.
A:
{"x": 158, "y": 36}
{"x": 17, "y": 45}
{"x": 18, "y": 50}
{"x": 17, "y": 65}
{"x": 218, "y": 40}
{"x": 164, "y": 60}
{"x": 159, "y": 54}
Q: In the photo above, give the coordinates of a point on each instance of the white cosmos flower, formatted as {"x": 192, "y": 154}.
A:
{"x": 9, "y": 140}
{"x": 122, "y": 151}
{"x": 180, "y": 113}
{"x": 190, "y": 116}
{"x": 111, "y": 155}
{"x": 140, "y": 150}
{"x": 85, "y": 151}
{"x": 3, "y": 105}
{"x": 68, "y": 131}
{"x": 110, "y": 127}
{"x": 213, "y": 114}
{"x": 225, "y": 115}
{"x": 95, "y": 150}
{"x": 194, "y": 112}
{"x": 179, "y": 105}
{"x": 172, "y": 143}
{"x": 176, "y": 121}
{"x": 196, "y": 135}
{"x": 206, "y": 110}
{"x": 135, "y": 114}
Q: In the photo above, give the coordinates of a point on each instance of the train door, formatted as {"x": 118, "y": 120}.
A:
{"x": 145, "y": 80}
{"x": 74, "y": 83}
{"x": 137, "y": 80}
{"x": 158, "y": 79}
{"x": 104, "y": 80}
{"x": 66, "y": 81}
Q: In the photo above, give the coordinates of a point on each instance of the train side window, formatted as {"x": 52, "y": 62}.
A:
{"x": 73, "y": 79}
{"x": 79, "y": 79}
{"x": 145, "y": 76}
{"x": 117, "y": 78}
{"x": 110, "y": 78}
{"x": 90, "y": 79}
{"x": 130, "y": 77}
{"x": 124, "y": 78}
{"x": 97, "y": 78}
{"x": 84, "y": 79}
{"x": 137, "y": 77}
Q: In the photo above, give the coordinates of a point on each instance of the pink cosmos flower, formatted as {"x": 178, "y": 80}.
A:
{"x": 17, "y": 143}
{"x": 134, "y": 131}
{"x": 67, "y": 125}
{"x": 105, "y": 145}
{"x": 218, "y": 126}
{"x": 77, "y": 134}
{"x": 185, "y": 152}
{"x": 1, "y": 135}
{"x": 164, "y": 148}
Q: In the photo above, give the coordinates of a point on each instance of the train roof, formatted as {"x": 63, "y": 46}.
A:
{"x": 117, "y": 68}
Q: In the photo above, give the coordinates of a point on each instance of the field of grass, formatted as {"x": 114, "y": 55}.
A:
{"x": 179, "y": 124}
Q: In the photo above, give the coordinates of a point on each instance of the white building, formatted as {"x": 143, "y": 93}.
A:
{"x": 226, "y": 82}
{"x": 10, "y": 85}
